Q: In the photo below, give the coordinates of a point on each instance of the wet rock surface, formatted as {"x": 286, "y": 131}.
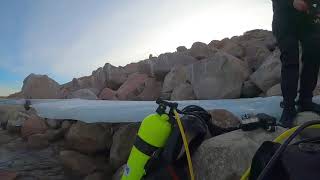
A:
{"x": 15, "y": 156}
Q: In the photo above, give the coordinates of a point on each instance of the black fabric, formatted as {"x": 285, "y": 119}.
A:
{"x": 261, "y": 159}
{"x": 298, "y": 162}
{"x": 157, "y": 169}
{"x": 291, "y": 27}
{"x": 145, "y": 147}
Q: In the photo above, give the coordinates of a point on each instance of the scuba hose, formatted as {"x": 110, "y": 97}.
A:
{"x": 295, "y": 131}
{"x": 289, "y": 135}
{"x": 185, "y": 143}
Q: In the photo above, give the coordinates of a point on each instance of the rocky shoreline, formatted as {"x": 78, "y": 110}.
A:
{"x": 239, "y": 67}
{"x": 246, "y": 66}
{"x": 47, "y": 149}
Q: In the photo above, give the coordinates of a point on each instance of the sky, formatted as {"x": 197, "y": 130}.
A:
{"x": 71, "y": 38}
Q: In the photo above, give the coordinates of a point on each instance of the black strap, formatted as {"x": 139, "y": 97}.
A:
{"x": 145, "y": 147}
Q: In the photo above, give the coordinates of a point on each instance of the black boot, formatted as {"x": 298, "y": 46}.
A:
{"x": 288, "y": 115}
{"x": 308, "y": 106}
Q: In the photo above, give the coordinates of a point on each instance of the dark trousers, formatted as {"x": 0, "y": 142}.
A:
{"x": 291, "y": 27}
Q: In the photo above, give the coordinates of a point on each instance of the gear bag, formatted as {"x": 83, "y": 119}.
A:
{"x": 300, "y": 160}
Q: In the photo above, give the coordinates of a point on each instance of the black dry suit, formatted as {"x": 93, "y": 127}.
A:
{"x": 291, "y": 27}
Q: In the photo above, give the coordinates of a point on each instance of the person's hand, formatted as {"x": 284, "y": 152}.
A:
{"x": 300, "y": 5}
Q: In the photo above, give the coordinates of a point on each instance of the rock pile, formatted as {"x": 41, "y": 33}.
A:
{"x": 62, "y": 149}
{"x": 239, "y": 67}
{"x": 67, "y": 149}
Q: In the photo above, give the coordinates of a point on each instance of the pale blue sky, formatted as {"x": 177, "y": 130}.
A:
{"x": 71, "y": 38}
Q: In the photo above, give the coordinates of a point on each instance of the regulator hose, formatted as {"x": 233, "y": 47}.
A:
{"x": 296, "y": 131}
{"x": 185, "y": 143}
{"x": 290, "y": 134}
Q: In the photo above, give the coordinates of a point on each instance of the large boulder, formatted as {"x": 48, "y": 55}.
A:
{"x": 108, "y": 94}
{"x": 40, "y": 87}
{"x": 12, "y": 117}
{"x": 33, "y": 125}
{"x": 122, "y": 144}
{"x": 173, "y": 79}
{"x": 106, "y": 76}
{"x": 249, "y": 90}
{"x": 182, "y": 49}
{"x": 151, "y": 90}
{"x": 183, "y": 92}
{"x": 89, "y": 138}
{"x": 77, "y": 163}
{"x": 258, "y": 36}
{"x": 159, "y": 67}
{"x": 131, "y": 68}
{"x": 69, "y": 87}
{"x": 83, "y": 94}
{"x": 224, "y": 118}
{"x": 201, "y": 50}
{"x": 269, "y": 73}
{"x": 95, "y": 91}
{"x": 228, "y": 156}
{"x": 139, "y": 87}
{"x": 215, "y": 44}
{"x": 218, "y": 77}
{"x": 274, "y": 90}
{"x": 98, "y": 79}
{"x": 132, "y": 87}
{"x": 115, "y": 76}
{"x": 258, "y": 45}
{"x": 255, "y": 54}
{"x": 231, "y": 47}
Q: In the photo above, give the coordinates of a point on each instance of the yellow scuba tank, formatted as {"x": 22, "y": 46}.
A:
{"x": 152, "y": 135}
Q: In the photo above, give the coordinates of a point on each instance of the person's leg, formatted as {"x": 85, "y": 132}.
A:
{"x": 311, "y": 61}
{"x": 284, "y": 29}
